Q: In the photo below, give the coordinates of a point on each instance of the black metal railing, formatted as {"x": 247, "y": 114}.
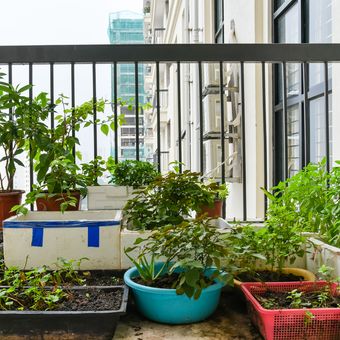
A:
{"x": 176, "y": 55}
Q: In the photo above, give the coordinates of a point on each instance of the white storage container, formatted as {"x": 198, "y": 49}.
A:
{"x": 320, "y": 253}
{"x": 109, "y": 197}
{"x": 40, "y": 238}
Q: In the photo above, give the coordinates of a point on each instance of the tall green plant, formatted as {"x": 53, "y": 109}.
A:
{"x": 310, "y": 200}
{"x": 21, "y": 127}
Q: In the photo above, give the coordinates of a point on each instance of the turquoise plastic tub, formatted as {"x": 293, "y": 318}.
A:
{"x": 165, "y": 306}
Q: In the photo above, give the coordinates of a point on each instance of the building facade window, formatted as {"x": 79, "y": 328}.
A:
{"x": 301, "y": 21}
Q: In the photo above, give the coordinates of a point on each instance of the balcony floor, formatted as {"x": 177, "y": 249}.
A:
{"x": 229, "y": 322}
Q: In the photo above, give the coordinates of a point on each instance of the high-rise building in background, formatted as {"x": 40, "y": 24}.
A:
{"x": 126, "y": 27}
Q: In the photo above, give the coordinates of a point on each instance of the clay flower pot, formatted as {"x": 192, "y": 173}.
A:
{"x": 9, "y": 199}
{"x": 53, "y": 203}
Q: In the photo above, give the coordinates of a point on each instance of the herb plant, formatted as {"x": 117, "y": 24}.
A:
{"x": 131, "y": 173}
{"x": 310, "y": 199}
{"x": 167, "y": 200}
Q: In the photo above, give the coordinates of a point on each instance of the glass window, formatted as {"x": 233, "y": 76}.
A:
{"x": 319, "y": 31}
{"x": 293, "y": 136}
{"x": 219, "y": 22}
{"x": 278, "y": 3}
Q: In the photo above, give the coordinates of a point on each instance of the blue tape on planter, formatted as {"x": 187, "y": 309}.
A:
{"x": 93, "y": 236}
{"x": 59, "y": 224}
{"x": 37, "y": 237}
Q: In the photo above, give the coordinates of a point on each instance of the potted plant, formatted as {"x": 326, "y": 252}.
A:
{"x": 30, "y": 300}
{"x": 213, "y": 207}
{"x": 186, "y": 286}
{"x": 295, "y": 310}
{"x": 59, "y": 180}
{"x": 126, "y": 176}
{"x": 311, "y": 199}
{"x": 17, "y": 113}
{"x": 263, "y": 254}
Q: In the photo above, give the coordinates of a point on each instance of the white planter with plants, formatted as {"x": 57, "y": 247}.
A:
{"x": 125, "y": 176}
{"x": 319, "y": 253}
{"x": 127, "y": 240}
{"x": 40, "y": 238}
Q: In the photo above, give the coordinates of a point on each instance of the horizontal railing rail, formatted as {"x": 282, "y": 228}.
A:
{"x": 171, "y": 52}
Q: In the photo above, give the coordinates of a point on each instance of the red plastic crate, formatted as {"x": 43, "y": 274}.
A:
{"x": 289, "y": 324}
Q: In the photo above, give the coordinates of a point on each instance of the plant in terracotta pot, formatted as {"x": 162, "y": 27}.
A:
{"x": 186, "y": 286}
{"x": 59, "y": 179}
{"x": 20, "y": 126}
{"x": 169, "y": 199}
{"x": 213, "y": 206}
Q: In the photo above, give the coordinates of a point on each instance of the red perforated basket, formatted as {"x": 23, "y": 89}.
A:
{"x": 290, "y": 324}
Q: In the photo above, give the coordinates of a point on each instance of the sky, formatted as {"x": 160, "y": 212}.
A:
{"x": 49, "y": 22}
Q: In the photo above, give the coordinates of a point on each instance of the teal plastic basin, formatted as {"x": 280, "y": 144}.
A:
{"x": 165, "y": 306}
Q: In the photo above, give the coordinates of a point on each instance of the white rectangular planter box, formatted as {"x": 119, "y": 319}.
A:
{"x": 127, "y": 239}
{"x": 109, "y": 197}
{"x": 40, "y": 238}
{"x": 320, "y": 253}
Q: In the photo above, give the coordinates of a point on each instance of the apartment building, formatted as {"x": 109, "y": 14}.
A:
{"x": 126, "y": 27}
{"x": 298, "y": 129}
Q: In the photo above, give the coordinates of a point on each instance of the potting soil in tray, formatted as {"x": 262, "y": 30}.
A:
{"x": 285, "y": 300}
{"x": 102, "y": 277}
{"x": 92, "y": 300}
{"x": 268, "y": 276}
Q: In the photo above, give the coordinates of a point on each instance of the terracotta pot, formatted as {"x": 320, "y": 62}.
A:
{"x": 53, "y": 203}
{"x": 8, "y": 199}
{"x": 213, "y": 211}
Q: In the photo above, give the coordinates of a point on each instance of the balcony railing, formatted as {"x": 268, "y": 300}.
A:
{"x": 266, "y": 56}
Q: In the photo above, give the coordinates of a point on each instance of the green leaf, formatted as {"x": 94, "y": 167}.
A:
{"x": 105, "y": 129}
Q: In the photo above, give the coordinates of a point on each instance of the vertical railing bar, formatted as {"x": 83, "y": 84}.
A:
{"x": 73, "y": 102}
{"x": 201, "y": 114}
{"x": 305, "y": 130}
{"x": 265, "y": 146}
{"x": 285, "y": 120}
{"x": 327, "y": 116}
{"x": 94, "y": 94}
{"x": 222, "y": 132}
{"x": 158, "y": 117}
{"x": 115, "y": 108}
{"x": 137, "y": 110}
{"x": 10, "y": 81}
{"x": 52, "y": 93}
{"x": 179, "y": 116}
{"x": 30, "y": 95}
{"x": 244, "y": 158}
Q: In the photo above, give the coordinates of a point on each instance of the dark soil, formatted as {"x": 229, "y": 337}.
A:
{"x": 278, "y": 300}
{"x": 268, "y": 276}
{"x": 93, "y": 300}
{"x": 103, "y": 277}
{"x": 165, "y": 281}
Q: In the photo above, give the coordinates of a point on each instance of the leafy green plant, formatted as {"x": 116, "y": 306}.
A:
{"x": 189, "y": 249}
{"x": 93, "y": 170}
{"x": 295, "y": 298}
{"x": 20, "y": 126}
{"x": 167, "y": 200}
{"x": 131, "y": 173}
{"x": 311, "y": 201}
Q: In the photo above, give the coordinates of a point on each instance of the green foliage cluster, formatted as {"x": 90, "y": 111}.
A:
{"x": 131, "y": 173}
{"x": 169, "y": 199}
{"x": 189, "y": 248}
{"x": 308, "y": 201}
{"x": 20, "y": 123}
{"x": 39, "y": 288}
